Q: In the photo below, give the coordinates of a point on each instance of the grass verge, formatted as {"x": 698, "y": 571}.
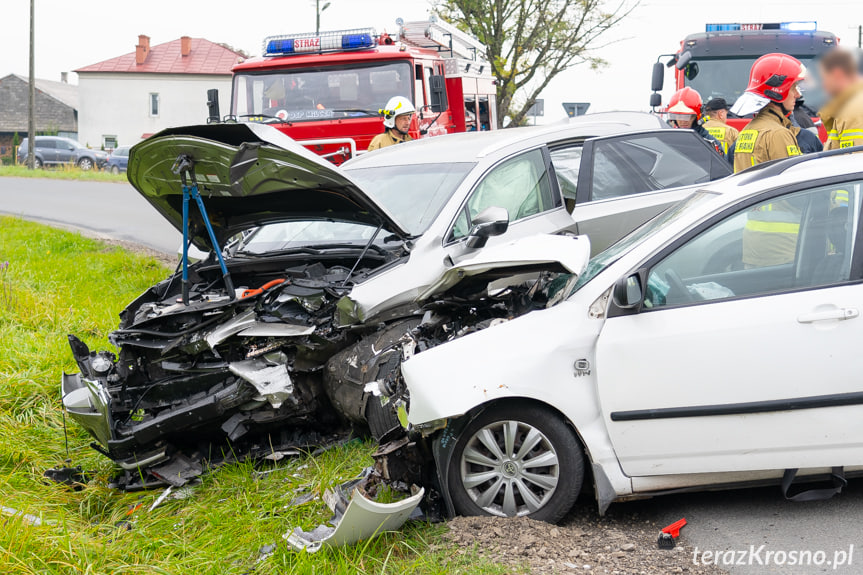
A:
{"x": 59, "y": 282}
{"x": 66, "y": 172}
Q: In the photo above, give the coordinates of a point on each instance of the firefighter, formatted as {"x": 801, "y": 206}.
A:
{"x": 397, "y": 122}
{"x": 771, "y": 95}
{"x": 684, "y": 111}
{"x": 715, "y": 118}
{"x": 843, "y": 115}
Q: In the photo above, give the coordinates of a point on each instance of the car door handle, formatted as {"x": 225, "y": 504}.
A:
{"x": 830, "y": 314}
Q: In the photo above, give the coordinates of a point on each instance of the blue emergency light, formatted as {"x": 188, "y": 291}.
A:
{"x": 787, "y": 26}
{"x": 336, "y": 41}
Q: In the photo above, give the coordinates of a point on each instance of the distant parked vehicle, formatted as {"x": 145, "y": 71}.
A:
{"x": 118, "y": 160}
{"x": 54, "y": 150}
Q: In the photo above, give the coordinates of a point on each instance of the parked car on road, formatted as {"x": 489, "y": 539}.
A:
{"x": 663, "y": 367}
{"x": 333, "y": 255}
{"x": 117, "y": 160}
{"x": 55, "y": 150}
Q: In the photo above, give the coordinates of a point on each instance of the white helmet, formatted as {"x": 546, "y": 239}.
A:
{"x": 397, "y": 106}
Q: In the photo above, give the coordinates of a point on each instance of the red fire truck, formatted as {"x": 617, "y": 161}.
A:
{"x": 326, "y": 90}
{"x": 716, "y": 62}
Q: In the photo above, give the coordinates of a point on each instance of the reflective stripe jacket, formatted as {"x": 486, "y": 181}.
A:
{"x": 724, "y": 134}
{"x": 386, "y": 139}
{"x": 767, "y": 137}
{"x": 843, "y": 119}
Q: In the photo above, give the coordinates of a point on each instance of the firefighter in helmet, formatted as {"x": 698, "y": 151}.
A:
{"x": 397, "y": 122}
{"x": 684, "y": 111}
{"x": 771, "y": 95}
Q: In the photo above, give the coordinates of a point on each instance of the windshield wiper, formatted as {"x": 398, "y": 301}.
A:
{"x": 357, "y": 110}
{"x": 317, "y": 249}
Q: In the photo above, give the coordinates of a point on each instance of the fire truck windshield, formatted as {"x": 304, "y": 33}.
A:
{"x": 303, "y": 94}
{"x": 727, "y": 78}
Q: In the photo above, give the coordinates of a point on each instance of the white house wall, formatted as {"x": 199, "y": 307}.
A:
{"x": 119, "y": 104}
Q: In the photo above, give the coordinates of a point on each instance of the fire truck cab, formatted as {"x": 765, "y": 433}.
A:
{"x": 716, "y": 62}
{"x": 327, "y": 90}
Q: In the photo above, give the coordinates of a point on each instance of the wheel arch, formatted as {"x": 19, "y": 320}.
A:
{"x": 442, "y": 453}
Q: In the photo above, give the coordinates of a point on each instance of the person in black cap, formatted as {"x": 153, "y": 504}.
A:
{"x": 715, "y": 118}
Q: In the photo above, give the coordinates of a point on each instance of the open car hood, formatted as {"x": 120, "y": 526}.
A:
{"x": 248, "y": 175}
{"x": 565, "y": 254}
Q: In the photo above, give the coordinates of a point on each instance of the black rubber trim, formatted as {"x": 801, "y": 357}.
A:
{"x": 793, "y": 404}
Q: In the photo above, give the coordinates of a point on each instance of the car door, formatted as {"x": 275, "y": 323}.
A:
{"x": 526, "y": 187}
{"x": 48, "y": 148}
{"x": 745, "y": 362}
{"x": 622, "y": 181}
{"x": 65, "y": 152}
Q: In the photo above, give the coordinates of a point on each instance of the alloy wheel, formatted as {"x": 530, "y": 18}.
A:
{"x": 509, "y": 468}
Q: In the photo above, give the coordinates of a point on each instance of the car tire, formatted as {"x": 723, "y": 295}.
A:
{"x": 115, "y": 170}
{"x": 504, "y": 481}
{"x": 37, "y": 163}
{"x": 85, "y": 164}
{"x": 380, "y": 418}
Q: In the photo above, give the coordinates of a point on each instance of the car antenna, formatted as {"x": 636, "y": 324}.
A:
{"x": 363, "y": 254}
{"x": 183, "y": 166}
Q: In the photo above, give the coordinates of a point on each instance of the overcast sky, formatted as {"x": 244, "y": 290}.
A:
{"x": 73, "y": 34}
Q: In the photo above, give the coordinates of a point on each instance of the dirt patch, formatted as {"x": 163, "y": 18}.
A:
{"x": 136, "y": 248}
{"x": 583, "y": 542}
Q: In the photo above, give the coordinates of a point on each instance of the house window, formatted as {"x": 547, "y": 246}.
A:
{"x": 154, "y": 104}
{"x": 109, "y": 142}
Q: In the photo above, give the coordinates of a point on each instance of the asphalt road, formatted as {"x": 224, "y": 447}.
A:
{"x": 112, "y": 210}
{"x": 740, "y": 521}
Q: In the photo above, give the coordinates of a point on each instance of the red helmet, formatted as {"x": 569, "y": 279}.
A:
{"x": 773, "y": 76}
{"x": 685, "y": 101}
{"x": 770, "y": 80}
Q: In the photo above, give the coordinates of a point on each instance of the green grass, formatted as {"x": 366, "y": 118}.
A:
{"x": 58, "y": 283}
{"x": 61, "y": 173}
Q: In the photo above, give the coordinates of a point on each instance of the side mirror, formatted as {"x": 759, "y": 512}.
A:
{"x": 213, "y": 114}
{"x": 490, "y": 222}
{"x": 628, "y": 292}
{"x": 437, "y": 90}
{"x": 655, "y": 100}
{"x": 683, "y": 60}
{"x": 658, "y": 78}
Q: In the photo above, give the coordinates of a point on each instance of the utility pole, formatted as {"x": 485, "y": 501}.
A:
{"x": 860, "y": 36}
{"x": 318, "y": 10}
{"x": 31, "y": 117}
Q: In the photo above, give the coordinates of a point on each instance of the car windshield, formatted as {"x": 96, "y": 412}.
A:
{"x": 305, "y": 233}
{"x": 615, "y": 251}
{"x": 306, "y": 94}
{"x": 726, "y": 78}
{"x": 413, "y": 194}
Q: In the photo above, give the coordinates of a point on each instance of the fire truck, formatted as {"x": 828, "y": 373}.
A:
{"x": 326, "y": 90}
{"x": 716, "y": 62}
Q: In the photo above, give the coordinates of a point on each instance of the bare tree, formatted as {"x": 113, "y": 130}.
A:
{"x": 529, "y": 42}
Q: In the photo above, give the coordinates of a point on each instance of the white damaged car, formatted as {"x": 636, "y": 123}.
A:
{"x": 716, "y": 346}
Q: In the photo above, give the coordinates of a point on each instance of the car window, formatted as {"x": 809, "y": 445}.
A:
{"x": 413, "y": 193}
{"x": 801, "y": 240}
{"x": 566, "y": 162}
{"x": 634, "y": 164}
{"x": 520, "y": 185}
{"x": 52, "y": 144}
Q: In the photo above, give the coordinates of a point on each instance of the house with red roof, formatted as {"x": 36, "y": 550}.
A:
{"x": 126, "y": 99}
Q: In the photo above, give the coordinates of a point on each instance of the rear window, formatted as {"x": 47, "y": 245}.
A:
{"x": 46, "y": 144}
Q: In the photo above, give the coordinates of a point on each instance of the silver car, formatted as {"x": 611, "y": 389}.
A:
{"x": 328, "y": 263}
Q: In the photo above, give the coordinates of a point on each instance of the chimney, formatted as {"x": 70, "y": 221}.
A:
{"x": 142, "y": 50}
{"x": 185, "y": 45}
{"x": 64, "y": 77}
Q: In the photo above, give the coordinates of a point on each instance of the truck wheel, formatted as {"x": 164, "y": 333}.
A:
{"x": 85, "y": 164}
{"x": 514, "y": 460}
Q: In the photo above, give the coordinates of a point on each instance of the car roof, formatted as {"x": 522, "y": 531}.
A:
{"x": 471, "y": 146}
